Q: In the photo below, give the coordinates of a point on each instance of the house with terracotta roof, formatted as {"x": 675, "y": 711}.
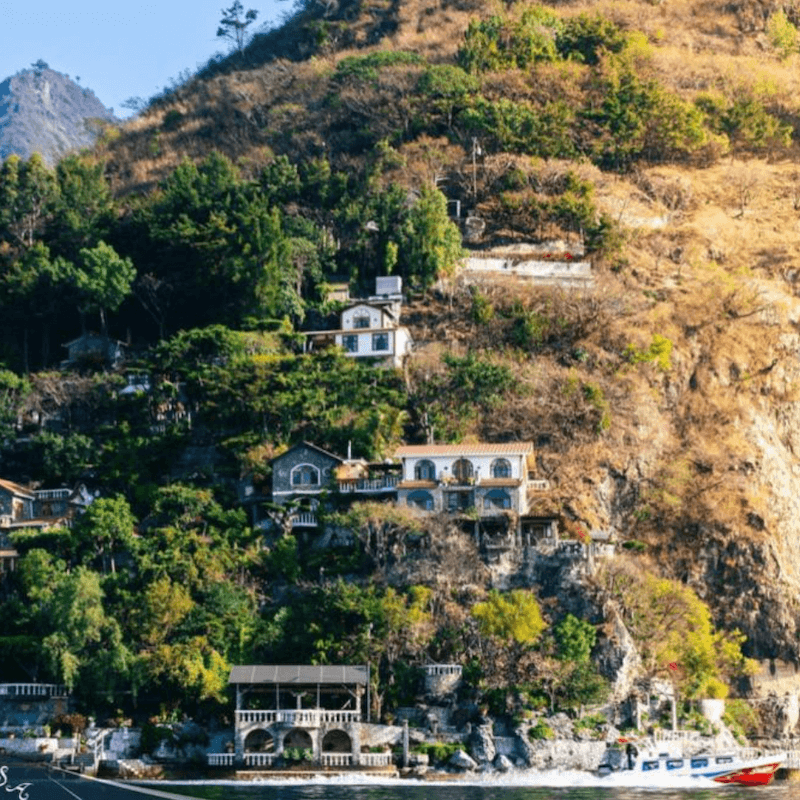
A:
{"x": 489, "y": 484}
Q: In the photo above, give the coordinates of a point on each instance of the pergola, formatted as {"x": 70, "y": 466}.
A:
{"x": 324, "y": 682}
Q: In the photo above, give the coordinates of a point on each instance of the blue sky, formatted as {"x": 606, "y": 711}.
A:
{"x": 119, "y": 51}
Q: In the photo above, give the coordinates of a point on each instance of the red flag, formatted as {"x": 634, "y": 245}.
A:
{"x": 673, "y": 665}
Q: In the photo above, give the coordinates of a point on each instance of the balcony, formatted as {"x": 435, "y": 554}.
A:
{"x": 364, "y": 486}
{"x": 221, "y": 759}
{"x": 305, "y": 519}
{"x": 305, "y": 717}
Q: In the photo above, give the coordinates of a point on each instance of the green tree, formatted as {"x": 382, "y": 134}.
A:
{"x": 104, "y": 278}
{"x": 432, "y": 243}
{"x": 106, "y": 530}
{"x": 575, "y": 639}
{"x": 510, "y": 616}
{"x": 234, "y": 24}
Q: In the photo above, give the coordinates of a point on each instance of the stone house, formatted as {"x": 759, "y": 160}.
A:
{"x": 370, "y": 328}
{"x": 306, "y": 475}
{"x": 93, "y": 350}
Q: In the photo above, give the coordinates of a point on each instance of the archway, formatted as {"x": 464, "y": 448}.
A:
{"x": 298, "y": 738}
{"x": 336, "y": 742}
{"x": 259, "y": 741}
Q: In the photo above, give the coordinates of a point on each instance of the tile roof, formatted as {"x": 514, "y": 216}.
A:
{"x": 475, "y": 449}
{"x": 16, "y": 488}
{"x": 302, "y": 674}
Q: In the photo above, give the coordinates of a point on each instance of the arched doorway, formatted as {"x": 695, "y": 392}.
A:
{"x": 259, "y": 741}
{"x": 336, "y": 742}
{"x": 298, "y": 739}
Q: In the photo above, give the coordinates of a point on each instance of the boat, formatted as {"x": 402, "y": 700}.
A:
{"x": 653, "y": 760}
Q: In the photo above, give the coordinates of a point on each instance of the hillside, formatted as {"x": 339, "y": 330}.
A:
{"x": 699, "y": 459}
{"x": 43, "y": 111}
{"x": 663, "y": 399}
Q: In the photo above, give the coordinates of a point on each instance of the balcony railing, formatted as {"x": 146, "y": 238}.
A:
{"x": 221, "y": 759}
{"x": 539, "y": 484}
{"x": 52, "y": 494}
{"x": 336, "y": 759}
{"x": 304, "y": 520}
{"x": 32, "y": 690}
{"x": 260, "y": 759}
{"x": 306, "y": 717}
{"x": 375, "y": 759}
{"x": 386, "y": 484}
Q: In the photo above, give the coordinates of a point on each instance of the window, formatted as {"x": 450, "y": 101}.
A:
{"x": 675, "y": 763}
{"x": 724, "y": 759}
{"x": 462, "y": 470}
{"x": 424, "y": 471}
{"x": 699, "y": 762}
{"x": 421, "y": 499}
{"x": 459, "y": 501}
{"x": 305, "y": 475}
{"x": 350, "y": 343}
{"x": 647, "y": 766}
{"x": 380, "y": 341}
{"x": 361, "y": 321}
{"x": 497, "y": 498}
{"x": 501, "y": 468}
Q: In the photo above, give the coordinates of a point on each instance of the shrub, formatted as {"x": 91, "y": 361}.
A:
{"x": 541, "y": 730}
{"x": 366, "y": 68}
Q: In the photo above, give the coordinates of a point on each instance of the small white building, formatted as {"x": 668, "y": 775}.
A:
{"x": 370, "y": 327}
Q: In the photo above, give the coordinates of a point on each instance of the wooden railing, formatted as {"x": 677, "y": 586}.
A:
{"x": 387, "y": 483}
{"x": 309, "y": 718}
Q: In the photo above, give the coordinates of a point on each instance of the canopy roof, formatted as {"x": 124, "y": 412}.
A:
{"x": 298, "y": 674}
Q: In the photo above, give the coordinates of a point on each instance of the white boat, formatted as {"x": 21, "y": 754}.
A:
{"x": 655, "y": 760}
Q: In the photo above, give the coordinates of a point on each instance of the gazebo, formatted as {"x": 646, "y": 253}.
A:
{"x": 286, "y": 710}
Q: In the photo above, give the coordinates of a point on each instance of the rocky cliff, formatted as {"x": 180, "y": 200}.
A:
{"x": 43, "y": 111}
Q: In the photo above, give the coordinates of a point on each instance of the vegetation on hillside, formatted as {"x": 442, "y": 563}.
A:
{"x": 208, "y": 234}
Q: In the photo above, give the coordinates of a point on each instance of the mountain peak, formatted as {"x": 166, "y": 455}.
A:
{"x": 44, "y": 111}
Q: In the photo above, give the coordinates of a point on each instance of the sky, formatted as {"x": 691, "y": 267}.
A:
{"x": 119, "y": 51}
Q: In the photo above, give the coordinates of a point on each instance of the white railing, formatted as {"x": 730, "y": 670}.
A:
{"x": 33, "y": 689}
{"x": 310, "y": 718}
{"x": 52, "y": 494}
{"x": 304, "y": 520}
{"x": 375, "y": 759}
{"x": 442, "y": 669}
{"x": 336, "y": 759}
{"x": 221, "y": 759}
{"x": 539, "y": 485}
{"x": 387, "y": 483}
{"x": 259, "y": 759}
{"x": 6, "y": 520}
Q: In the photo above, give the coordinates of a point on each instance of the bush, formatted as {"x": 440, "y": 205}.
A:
{"x": 540, "y": 731}
{"x": 437, "y": 752}
{"x": 366, "y": 68}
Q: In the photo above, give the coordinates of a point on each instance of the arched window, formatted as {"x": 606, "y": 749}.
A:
{"x": 497, "y": 498}
{"x": 501, "y": 468}
{"x": 305, "y": 475}
{"x": 463, "y": 470}
{"x": 425, "y": 471}
{"x": 421, "y": 499}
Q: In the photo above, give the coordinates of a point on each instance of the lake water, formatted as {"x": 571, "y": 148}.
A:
{"x": 523, "y": 786}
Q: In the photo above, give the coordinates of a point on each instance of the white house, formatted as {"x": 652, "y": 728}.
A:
{"x": 370, "y": 328}
{"x": 490, "y": 478}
